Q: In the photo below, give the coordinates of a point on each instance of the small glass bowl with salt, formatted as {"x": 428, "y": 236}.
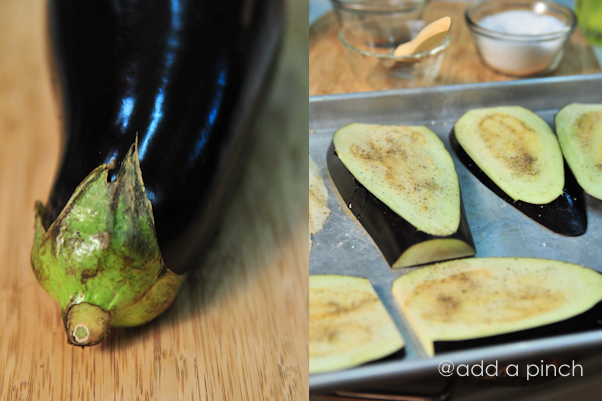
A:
{"x": 520, "y": 37}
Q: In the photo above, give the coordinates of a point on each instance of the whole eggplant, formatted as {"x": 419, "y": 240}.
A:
{"x": 157, "y": 97}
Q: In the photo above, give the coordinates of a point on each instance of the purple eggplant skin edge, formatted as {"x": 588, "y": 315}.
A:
{"x": 392, "y": 234}
{"x": 566, "y": 215}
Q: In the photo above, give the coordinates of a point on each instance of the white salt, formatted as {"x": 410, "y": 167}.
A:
{"x": 522, "y": 22}
{"x": 521, "y": 57}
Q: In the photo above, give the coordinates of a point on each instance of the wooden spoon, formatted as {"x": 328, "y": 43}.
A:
{"x": 429, "y": 36}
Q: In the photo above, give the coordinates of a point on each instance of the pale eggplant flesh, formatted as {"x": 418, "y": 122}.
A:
{"x": 517, "y": 149}
{"x": 401, "y": 243}
{"x": 587, "y": 321}
{"x": 579, "y": 129}
{"x": 348, "y": 324}
{"x": 565, "y": 215}
{"x": 483, "y": 297}
{"x": 318, "y": 201}
{"x": 515, "y": 153}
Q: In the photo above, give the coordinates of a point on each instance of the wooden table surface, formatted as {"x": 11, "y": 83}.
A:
{"x": 238, "y": 329}
{"x": 329, "y": 70}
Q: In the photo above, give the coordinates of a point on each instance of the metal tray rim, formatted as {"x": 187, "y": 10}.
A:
{"x": 413, "y": 368}
{"x": 454, "y": 88}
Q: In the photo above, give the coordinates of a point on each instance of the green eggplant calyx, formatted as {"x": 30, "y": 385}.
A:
{"x": 100, "y": 258}
{"x": 158, "y": 298}
{"x": 86, "y": 324}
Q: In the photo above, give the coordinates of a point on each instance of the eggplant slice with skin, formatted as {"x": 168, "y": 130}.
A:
{"x": 401, "y": 184}
{"x": 348, "y": 324}
{"x": 515, "y": 154}
{"x": 579, "y": 129}
{"x": 482, "y": 297}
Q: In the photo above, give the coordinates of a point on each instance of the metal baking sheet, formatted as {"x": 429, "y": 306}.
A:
{"x": 498, "y": 229}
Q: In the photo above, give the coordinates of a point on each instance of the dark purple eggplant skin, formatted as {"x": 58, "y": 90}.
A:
{"x": 391, "y": 232}
{"x": 565, "y": 215}
{"x": 182, "y": 76}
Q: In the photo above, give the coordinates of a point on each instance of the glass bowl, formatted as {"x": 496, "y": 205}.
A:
{"x": 386, "y": 13}
{"x": 526, "y": 52}
{"x": 369, "y": 49}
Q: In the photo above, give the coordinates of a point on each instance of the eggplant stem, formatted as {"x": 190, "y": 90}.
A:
{"x": 86, "y": 324}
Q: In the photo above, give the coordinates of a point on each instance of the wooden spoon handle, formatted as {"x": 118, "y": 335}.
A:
{"x": 432, "y": 34}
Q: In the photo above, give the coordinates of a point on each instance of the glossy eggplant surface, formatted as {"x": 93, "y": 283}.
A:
{"x": 182, "y": 77}
{"x": 566, "y": 215}
{"x": 157, "y": 98}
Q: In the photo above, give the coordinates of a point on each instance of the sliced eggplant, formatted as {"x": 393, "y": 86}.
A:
{"x": 579, "y": 129}
{"x": 348, "y": 324}
{"x": 482, "y": 297}
{"x": 318, "y": 200}
{"x": 515, "y": 154}
{"x": 401, "y": 184}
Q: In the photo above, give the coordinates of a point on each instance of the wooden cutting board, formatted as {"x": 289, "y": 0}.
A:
{"x": 329, "y": 70}
{"x": 238, "y": 330}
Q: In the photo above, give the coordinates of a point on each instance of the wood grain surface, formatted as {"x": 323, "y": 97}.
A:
{"x": 329, "y": 70}
{"x": 238, "y": 329}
